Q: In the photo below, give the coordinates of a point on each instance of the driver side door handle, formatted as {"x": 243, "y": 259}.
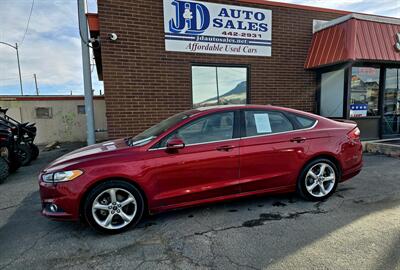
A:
{"x": 298, "y": 139}
{"x": 225, "y": 148}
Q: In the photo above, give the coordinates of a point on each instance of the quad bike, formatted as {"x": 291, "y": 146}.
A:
{"x": 4, "y": 169}
{"x": 24, "y": 134}
{"x": 9, "y": 160}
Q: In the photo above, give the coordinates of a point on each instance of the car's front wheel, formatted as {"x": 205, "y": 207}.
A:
{"x": 113, "y": 206}
{"x": 318, "y": 180}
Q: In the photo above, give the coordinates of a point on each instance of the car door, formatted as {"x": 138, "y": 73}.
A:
{"x": 270, "y": 150}
{"x": 207, "y": 167}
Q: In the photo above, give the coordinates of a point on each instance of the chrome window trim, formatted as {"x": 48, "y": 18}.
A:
{"x": 193, "y": 144}
{"x": 234, "y": 139}
{"x": 283, "y": 132}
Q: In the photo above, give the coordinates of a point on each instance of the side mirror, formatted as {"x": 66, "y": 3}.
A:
{"x": 175, "y": 144}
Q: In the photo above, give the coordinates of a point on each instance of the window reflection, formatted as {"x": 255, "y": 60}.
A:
{"x": 391, "y": 103}
{"x": 219, "y": 85}
{"x": 364, "y": 91}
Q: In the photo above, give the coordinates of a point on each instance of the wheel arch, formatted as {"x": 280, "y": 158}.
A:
{"x": 329, "y": 156}
{"x": 99, "y": 182}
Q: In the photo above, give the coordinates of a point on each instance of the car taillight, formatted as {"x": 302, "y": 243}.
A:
{"x": 354, "y": 134}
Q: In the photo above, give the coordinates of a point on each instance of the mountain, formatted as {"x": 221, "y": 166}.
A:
{"x": 234, "y": 96}
{"x": 239, "y": 89}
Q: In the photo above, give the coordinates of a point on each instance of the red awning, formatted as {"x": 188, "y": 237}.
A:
{"x": 93, "y": 22}
{"x": 94, "y": 28}
{"x": 355, "y": 37}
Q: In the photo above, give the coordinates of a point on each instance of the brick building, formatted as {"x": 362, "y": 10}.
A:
{"x": 172, "y": 55}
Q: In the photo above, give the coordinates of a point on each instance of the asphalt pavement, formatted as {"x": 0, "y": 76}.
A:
{"x": 357, "y": 228}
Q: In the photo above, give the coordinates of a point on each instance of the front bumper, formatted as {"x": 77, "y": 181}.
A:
{"x": 59, "y": 201}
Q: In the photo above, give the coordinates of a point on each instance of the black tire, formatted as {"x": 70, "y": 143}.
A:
{"x": 14, "y": 164}
{"x": 35, "y": 151}
{"x": 305, "y": 180}
{"x": 24, "y": 154}
{"x": 102, "y": 189}
{"x": 4, "y": 169}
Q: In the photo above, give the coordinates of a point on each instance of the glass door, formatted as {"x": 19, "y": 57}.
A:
{"x": 391, "y": 103}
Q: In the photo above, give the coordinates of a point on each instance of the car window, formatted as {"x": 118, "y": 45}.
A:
{"x": 154, "y": 131}
{"x": 266, "y": 122}
{"x": 305, "y": 122}
{"x": 215, "y": 127}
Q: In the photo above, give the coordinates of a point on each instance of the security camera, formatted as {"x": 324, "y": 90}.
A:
{"x": 112, "y": 36}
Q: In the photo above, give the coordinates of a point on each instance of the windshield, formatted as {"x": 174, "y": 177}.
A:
{"x": 156, "y": 130}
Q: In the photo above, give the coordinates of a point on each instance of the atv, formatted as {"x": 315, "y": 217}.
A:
{"x": 9, "y": 160}
{"x": 24, "y": 135}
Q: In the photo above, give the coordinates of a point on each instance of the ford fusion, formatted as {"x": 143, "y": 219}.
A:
{"x": 201, "y": 156}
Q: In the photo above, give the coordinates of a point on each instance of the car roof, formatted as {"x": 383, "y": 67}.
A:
{"x": 232, "y": 107}
{"x": 210, "y": 109}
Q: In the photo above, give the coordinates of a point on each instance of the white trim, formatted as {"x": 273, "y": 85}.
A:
{"x": 364, "y": 17}
{"x": 283, "y": 132}
{"x": 194, "y": 144}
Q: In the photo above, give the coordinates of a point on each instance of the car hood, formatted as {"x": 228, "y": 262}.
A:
{"x": 88, "y": 152}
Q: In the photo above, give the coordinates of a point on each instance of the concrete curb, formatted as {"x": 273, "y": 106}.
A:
{"x": 384, "y": 147}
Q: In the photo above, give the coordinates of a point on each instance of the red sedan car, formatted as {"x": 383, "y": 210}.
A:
{"x": 201, "y": 156}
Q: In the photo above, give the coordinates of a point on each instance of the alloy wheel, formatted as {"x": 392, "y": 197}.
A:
{"x": 320, "y": 180}
{"x": 114, "y": 208}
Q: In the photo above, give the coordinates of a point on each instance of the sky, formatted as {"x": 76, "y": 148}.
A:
{"x": 51, "y": 48}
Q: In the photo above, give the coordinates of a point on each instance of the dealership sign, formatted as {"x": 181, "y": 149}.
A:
{"x": 199, "y": 27}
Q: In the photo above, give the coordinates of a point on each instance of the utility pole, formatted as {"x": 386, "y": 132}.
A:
{"x": 19, "y": 69}
{"x": 87, "y": 79}
{"x": 19, "y": 66}
{"x": 37, "y": 89}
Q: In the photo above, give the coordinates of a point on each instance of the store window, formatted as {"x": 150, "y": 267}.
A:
{"x": 391, "y": 103}
{"x": 364, "y": 92}
{"x": 332, "y": 93}
{"x": 81, "y": 109}
{"x": 213, "y": 85}
{"x": 43, "y": 113}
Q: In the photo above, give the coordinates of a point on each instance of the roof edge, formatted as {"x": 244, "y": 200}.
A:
{"x": 46, "y": 98}
{"x": 297, "y": 6}
{"x": 358, "y": 16}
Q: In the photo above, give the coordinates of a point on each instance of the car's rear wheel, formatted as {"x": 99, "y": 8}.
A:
{"x": 318, "y": 180}
{"x": 113, "y": 206}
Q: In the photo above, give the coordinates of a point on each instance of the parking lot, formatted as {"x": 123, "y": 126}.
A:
{"x": 357, "y": 228}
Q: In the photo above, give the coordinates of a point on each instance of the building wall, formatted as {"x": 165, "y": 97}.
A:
{"x": 144, "y": 83}
{"x": 65, "y": 125}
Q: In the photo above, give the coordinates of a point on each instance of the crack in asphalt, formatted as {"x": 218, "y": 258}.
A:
{"x": 16, "y": 258}
{"x": 11, "y": 206}
{"x": 18, "y": 205}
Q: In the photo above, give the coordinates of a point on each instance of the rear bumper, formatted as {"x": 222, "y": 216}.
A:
{"x": 349, "y": 173}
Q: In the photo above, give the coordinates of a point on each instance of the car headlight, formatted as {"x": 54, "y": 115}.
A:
{"x": 62, "y": 176}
